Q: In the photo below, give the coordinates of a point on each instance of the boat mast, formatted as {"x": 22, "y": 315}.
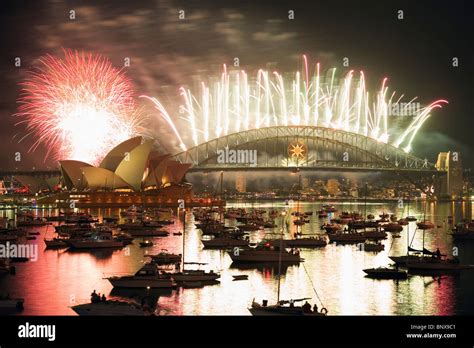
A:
{"x": 283, "y": 213}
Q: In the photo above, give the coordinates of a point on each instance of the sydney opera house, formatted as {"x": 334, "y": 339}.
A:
{"x": 131, "y": 173}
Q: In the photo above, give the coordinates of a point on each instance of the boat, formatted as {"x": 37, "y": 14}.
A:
{"x": 95, "y": 241}
{"x": 463, "y": 231}
{"x": 55, "y": 243}
{"x": 436, "y": 264}
{"x": 146, "y": 243}
{"x": 146, "y": 232}
{"x": 240, "y": 277}
{"x": 331, "y": 228}
{"x": 302, "y": 242}
{"x": 191, "y": 284}
{"x": 393, "y": 227}
{"x": 386, "y": 273}
{"x": 109, "y": 308}
{"x": 374, "y": 234}
{"x": 371, "y": 246}
{"x": 403, "y": 222}
{"x": 224, "y": 242}
{"x": 11, "y": 305}
{"x": 5, "y": 267}
{"x": 194, "y": 276}
{"x": 164, "y": 258}
{"x": 149, "y": 276}
{"x": 346, "y": 237}
{"x": 285, "y": 308}
{"x": 425, "y": 225}
{"x": 263, "y": 253}
{"x": 410, "y": 218}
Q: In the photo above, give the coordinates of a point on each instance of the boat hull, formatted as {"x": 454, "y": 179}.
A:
{"x": 143, "y": 283}
{"x": 107, "y": 309}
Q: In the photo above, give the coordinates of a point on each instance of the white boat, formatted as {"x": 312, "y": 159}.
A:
{"x": 108, "y": 308}
{"x": 149, "y": 276}
{"x": 265, "y": 252}
{"x": 95, "y": 241}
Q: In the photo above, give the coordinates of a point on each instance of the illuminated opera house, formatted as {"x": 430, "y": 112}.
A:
{"x": 131, "y": 173}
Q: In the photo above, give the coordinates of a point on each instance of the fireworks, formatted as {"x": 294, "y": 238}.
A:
{"x": 79, "y": 106}
{"x": 235, "y": 103}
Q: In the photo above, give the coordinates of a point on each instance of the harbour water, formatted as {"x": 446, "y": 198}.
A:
{"x": 61, "y": 278}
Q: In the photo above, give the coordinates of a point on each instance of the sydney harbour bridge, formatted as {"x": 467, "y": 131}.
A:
{"x": 302, "y": 147}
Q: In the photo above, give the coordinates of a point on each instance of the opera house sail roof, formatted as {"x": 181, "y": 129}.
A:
{"x": 131, "y": 165}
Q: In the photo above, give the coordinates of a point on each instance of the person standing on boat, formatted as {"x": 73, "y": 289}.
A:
{"x": 315, "y": 308}
{"x": 306, "y": 307}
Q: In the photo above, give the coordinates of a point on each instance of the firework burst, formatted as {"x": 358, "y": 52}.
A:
{"x": 234, "y": 102}
{"x": 79, "y": 106}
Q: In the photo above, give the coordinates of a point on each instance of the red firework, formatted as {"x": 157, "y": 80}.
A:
{"x": 78, "y": 106}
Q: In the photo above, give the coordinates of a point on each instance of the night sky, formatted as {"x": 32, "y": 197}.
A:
{"x": 414, "y": 53}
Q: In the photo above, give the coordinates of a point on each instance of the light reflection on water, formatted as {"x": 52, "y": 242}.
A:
{"x": 61, "y": 278}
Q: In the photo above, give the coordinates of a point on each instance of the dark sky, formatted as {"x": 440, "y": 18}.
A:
{"x": 415, "y": 53}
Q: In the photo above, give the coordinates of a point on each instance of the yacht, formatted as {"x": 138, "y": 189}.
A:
{"x": 95, "y": 241}
{"x": 265, "y": 252}
{"x": 224, "y": 242}
{"x": 109, "y": 307}
{"x": 386, "y": 273}
{"x": 284, "y": 308}
{"x": 194, "y": 276}
{"x": 301, "y": 242}
{"x": 164, "y": 258}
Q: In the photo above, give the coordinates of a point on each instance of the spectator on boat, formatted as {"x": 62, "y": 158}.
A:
{"x": 438, "y": 253}
{"x": 292, "y": 303}
{"x": 315, "y": 308}
{"x": 306, "y": 307}
{"x": 94, "y": 297}
{"x": 103, "y": 298}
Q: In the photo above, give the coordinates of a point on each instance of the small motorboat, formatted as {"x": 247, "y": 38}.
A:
{"x": 11, "y": 305}
{"x": 410, "y": 218}
{"x": 146, "y": 243}
{"x": 177, "y": 233}
{"x": 371, "y": 246}
{"x": 240, "y": 277}
{"x": 55, "y": 243}
{"x": 191, "y": 284}
{"x": 31, "y": 238}
{"x": 386, "y": 273}
{"x": 109, "y": 307}
{"x": 34, "y": 233}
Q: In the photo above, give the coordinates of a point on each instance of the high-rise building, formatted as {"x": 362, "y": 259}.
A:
{"x": 450, "y": 184}
{"x": 333, "y": 187}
